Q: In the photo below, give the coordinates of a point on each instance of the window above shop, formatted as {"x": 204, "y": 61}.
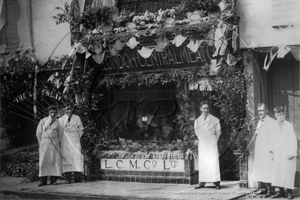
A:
{"x": 285, "y": 13}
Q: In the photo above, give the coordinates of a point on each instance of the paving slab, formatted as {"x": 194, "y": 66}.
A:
{"x": 119, "y": 190}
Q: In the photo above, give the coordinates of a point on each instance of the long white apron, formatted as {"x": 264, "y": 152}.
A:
{"x": 208, "y": 132}
{"x": 72, "y": 160}
{"x": 263, "y": 163}
{"x": 49, "y": 147}
{"x": 284, "y": 145}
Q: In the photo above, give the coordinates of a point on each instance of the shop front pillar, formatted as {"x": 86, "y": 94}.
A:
{"x": 243, "y": 168}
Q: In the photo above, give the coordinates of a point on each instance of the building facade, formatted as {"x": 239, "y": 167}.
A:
{"x": 265, "y": 28}
{"x": 29, "y": 25}
{"x": 270, "y": 39}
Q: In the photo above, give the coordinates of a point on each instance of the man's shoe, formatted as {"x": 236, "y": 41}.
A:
{"x": 68, "y": 177}
{"x": 269, "y": 194}
{"x": 53, "y": 180}
{"x": 43, "y": 181}
{"x": 290, "y": 196}
{"x": 277, "y": 195}
{"x": 218, "y": 187}
{"x": 77, "y": 177}
{"x": 42, "y": 184}
{"x": 261, "y": 192}
{"x": 199, "y": 187}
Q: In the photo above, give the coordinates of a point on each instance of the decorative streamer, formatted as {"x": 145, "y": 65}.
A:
{"x": 35, "y": 91}
{"x": 70, "y": 77}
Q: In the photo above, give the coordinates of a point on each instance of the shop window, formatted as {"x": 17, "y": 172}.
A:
{"x": 145, "y": 114}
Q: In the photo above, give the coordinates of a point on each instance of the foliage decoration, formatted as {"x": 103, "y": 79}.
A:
{"x": 148, "y": 79}
{"x": 229, "y": 87}
{"x": 94, "y": 19}
{"x": 21, "y": 164}
{"x": 20, "y": 74}
{"x": 70, "y": 14}
{"x": 229, "y": 96}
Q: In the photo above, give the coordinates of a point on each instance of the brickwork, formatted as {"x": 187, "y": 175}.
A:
{"x": 189, "y": 176}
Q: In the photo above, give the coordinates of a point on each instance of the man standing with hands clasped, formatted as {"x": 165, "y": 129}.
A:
{"x": 207, "y": 128}
{"x": 263, "y": 163}
{"x": 49, "y": 133}
{"x": 284, "y": 148}
{"x": 72, "y": 158}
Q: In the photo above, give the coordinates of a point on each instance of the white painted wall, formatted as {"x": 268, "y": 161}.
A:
{"x": 256, "y": 25}
{"x": 47, "y": 36}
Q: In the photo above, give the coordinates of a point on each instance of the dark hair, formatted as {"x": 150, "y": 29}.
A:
{"x": 203, "y": 103}
{"x": 52, "y": 107}
{"x": 279, "y": 109}
{"x": 262, "y": 104}
{"x": 67, "y": 105}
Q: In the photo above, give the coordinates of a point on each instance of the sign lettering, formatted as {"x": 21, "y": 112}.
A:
{"x": 143, "y": 164}
{"x": 130, "y": 60}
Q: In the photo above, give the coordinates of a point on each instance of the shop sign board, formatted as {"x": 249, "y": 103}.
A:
{"x": 167, "y": 165}
{"x": 173, "y": 57}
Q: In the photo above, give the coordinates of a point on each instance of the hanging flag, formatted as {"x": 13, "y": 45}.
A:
{"x": 269, "y": 59}
{"x": 282, "y": 51}
{"x": 145, "y": 52}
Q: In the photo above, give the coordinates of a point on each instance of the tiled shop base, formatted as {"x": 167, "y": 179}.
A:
{"x": 190, "y": 176}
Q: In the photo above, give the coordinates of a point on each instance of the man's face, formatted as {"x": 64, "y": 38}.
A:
{"x": 262, "y": 112}
{"x": 68, "y": 110}
{"x": 52, "y": 114}
{"x": 280, "y": 116}
{"x": 205, "y": 109}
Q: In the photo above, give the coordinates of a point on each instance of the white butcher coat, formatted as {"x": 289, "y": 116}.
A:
{"x": 284, "y": 144}
{"x": 208, "y": 132}
{"x": 262, "y": 164}
{"x": 72, "y": 158}
{"x": 49, "y": 138}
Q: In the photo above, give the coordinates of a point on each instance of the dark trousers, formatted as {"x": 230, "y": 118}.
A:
{"x": 53, "y": 179}
{"x": 43, "y": 179}
{"x": 77, "y": 176}
{"x": 282, "y": 192}
{"x": 215, "y": 183}
{"x": 289, "y": 191}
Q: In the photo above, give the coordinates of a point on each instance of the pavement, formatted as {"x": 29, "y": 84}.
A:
{"x": 118, "y": 190}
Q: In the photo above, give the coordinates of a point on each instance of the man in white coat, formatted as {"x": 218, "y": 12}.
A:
{"x": 207, "y": 128}
{"x": 263, "y": 163}
{"x": 72, "y": 158}
{"x": 49, "y": 133}
{"x": 284, "y": 148}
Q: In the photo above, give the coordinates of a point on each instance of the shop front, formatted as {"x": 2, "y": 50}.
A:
{"x": 152, "y": 76}
{"x": 153, "y": 122}
{"x": 145, "y": 119}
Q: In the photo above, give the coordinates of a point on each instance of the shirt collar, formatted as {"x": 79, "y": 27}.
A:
{"x": 264, "y": 119}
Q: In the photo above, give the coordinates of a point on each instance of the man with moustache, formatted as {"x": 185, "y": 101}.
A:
{"x": 263, "y": 163}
